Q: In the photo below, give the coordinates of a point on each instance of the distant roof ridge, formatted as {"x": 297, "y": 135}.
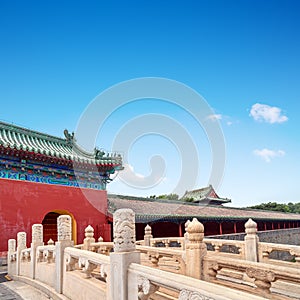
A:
{"x": 141, "y": 198}
{"x": 201, "y": 189}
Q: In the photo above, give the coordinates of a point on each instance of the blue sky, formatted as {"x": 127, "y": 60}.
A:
{"x": 57, "y": 56}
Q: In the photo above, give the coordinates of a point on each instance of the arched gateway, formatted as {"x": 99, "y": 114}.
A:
{"x": 50, "y": 225}
{"x": 38, "y": 183}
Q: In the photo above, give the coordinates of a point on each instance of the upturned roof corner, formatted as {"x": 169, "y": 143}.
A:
{"x": 36, "y": 144}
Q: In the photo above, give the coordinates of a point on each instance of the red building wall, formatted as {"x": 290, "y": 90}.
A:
{"x": 24, "y": 203}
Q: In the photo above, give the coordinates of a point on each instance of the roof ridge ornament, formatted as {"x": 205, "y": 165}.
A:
{"x": 69, "y": 136}
{"x": 99, "y": 153}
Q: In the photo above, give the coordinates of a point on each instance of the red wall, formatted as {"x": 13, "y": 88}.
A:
{"x": 24, "y": 203}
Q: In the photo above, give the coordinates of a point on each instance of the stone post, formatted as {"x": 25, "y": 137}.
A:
{"x": 148, "y": 236}
{"x": 186, "y": 234}
{"x": 124, "y": 254}
{"x": 64, "y": 233}
{"x": 251, "y": 241}
{"x": 10, "y": 256}
{"x": 89, "y": 238}
{"x": 195, "y": 249}
{"x": 21, "y": 244}
{"x": 37, "y": 240}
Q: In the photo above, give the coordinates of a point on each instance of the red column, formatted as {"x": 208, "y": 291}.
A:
{"x": 234, "y": 227}
{"x": 180, "y": 230}
{"x": 272, "y": 226}
{"x": 265, "y": 225}
{"x": 220, "y": 228}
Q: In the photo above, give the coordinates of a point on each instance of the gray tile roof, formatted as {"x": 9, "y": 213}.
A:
{"x": 147, "y": 209}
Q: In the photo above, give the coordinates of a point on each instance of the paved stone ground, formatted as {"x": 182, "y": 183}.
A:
{"x": 15, "y": 290}
{"x": 5, "y": 292}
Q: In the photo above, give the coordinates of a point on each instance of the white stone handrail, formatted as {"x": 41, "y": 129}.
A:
{"x": 263, "y": 274}
{"x": 98, "y": 247}
{"x": 12, "y": 256}
{"x": 87, "y": 262}
{"x": 102, "y": 247}
{"x": 161, "y": 250}
{"x": 26, "y": 255}
{"x": 144, "y": 281}
{"x": 219, "y": 243}
{"x": 168, "y": 241}
{"x": 46, "y": 254}
{"x": 264, "y": 250}
{"x": 169, "y": 259}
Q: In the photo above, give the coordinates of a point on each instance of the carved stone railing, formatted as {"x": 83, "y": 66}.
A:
{"x": 46, "y": 254}
{"x": 168, "y": 242}
{"x": 169, "y": 259}
{"x": 144, "y": 282}
{"x": 237, "y": 273}
{"x": 233, "y": 247}
{"x": 98, "y": 247}
{"x": 89, "y": 263}
{"x": 45, "y": 268}
{"x": 279, "y": 254}
{"x": 26, "y": 255}
{"x": 230, "y": 248}
{"x": 87, "y": 273}
{"x": 171, "y": 268}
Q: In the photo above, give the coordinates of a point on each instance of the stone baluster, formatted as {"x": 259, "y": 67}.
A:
{"x": 217, "y": 247}
{"x": 146, "y": 288}
{"x": 251, "y": 241}
{"x": 100, "y": 240}
{"x": 37, "y": 240}
{"x": 21, "y": 244}
{"x": 297, "y": 256}
{"x": 64, "y": 233}
{"x": 262, "y": 280}
{"x": 186, "y": 234}
{"x": 89, "y": 238}
{"x": 124, "y": 254}
{"x": 148, "y": 236}
{"x": 195, "y": 249}
{"x": 11, "y": 256}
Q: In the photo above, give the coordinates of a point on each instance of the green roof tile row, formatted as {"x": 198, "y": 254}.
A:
{"x": 19, "y": 138}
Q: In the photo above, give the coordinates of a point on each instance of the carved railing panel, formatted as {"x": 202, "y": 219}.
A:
{"x": 157, "y": 284}
{"x": 229, "y": 271}
{"x": 46, "y": 254}
{"x": 224, "y": 247}
{"x": 99, "y": 247}
{"x": 169, "y": 259}
{"x": 25, "y": 255}
{"x": 279, "y": 254}
{"x": 90, "y": 264}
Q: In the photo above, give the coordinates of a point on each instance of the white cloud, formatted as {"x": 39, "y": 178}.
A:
{"x": 215, "y": 117}
{"x": 267, "y": 154}
{"x": 269, "y": 114}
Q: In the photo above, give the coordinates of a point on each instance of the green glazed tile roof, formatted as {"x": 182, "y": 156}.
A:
{"x": 205, "y": 194}
{"x": 22, "y": 139}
